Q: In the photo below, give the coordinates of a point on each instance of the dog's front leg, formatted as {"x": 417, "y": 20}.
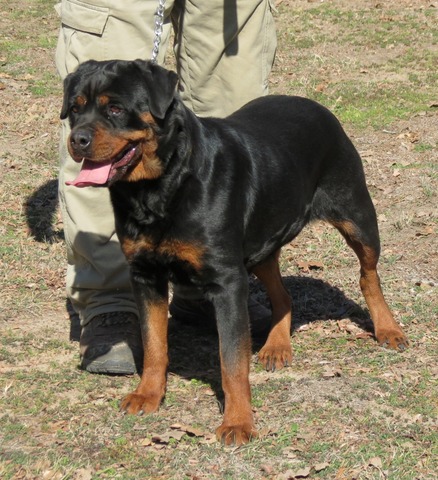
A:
{"x": 153, "y": 307}
{"x": 235, "y": 354}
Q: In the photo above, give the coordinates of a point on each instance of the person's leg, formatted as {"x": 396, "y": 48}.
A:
{"x": 98, "y": 283}
{"x": 225, "y": 50}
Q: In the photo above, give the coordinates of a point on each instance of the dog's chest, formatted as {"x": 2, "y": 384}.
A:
{"x": 182, "y": 261}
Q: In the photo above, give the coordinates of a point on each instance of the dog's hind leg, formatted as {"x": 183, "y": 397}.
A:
{"x": 361, "y": 233}
{"x": 277, "y": 351}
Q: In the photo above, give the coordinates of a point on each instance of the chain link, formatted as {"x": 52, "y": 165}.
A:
{"x": 159, "y": 20}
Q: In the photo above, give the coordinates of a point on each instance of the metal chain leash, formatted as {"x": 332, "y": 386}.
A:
{"x": 159, "y": 20}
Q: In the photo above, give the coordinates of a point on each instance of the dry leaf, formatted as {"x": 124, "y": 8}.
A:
{"x": 302, "y": 473}
{"x": 375, "y": 462}
{"x": 331, "y": 373}
{"x": 291, "y": 474}
{"x": 266, "y": 468}
{"x": 321, "y": 466}
{"x": 310, "y": 265}
{"x": 303, "y": 328}
{"x": 413, "y": 137}
{"x": 265, "y": 432}
{"x": 363, "y": 335}
{"x": 288, "y": 452}
{"x": 425, "y": 232}
{"x": 83, "y": 474}
{"x": 159, "y": 446}
{"x": 321, "y": 87}
{"x": 52, "y": 475}
{"x": 194, "y": 432}
{"x": 208, "y": 439}
{"x": 346, "y": 325}
{"x": 165, "y": 438}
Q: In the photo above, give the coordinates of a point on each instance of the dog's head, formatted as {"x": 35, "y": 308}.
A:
{"x": 115, "y": 109}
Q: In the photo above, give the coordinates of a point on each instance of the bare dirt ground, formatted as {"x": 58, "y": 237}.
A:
{"x": 346, "y": 409}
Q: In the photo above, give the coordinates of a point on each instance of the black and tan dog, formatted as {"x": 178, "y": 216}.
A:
{"x": 201, "y": 202}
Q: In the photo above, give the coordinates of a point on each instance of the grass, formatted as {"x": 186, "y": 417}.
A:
{"x": 359, "y": 410}
{"x": 364, "y": 101}
{"x": 19, "y": 44}
{"x": 369, "y": 103}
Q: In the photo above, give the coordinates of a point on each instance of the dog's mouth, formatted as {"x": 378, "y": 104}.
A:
{"x": 109, "y": 171}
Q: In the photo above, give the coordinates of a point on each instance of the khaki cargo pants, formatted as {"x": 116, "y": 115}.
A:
{"x": 224, "y": 51}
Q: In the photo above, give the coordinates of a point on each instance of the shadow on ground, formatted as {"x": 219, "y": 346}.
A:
{"x": 194, "y": 349}
{"x": 40, "y": 210}
{"x": 194, "y": 353}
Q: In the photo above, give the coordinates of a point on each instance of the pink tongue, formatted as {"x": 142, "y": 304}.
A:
{"x": 92, "y": 174}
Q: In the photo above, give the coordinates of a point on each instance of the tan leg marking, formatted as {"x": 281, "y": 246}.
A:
{"x": 387, "y": 331}
{"x": 277, "y": 351}
{"x": 238, "y": 425}
{"x": 148, "y": 395}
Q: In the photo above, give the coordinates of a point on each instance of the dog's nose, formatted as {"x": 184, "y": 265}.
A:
{"x": 80, "y": 140}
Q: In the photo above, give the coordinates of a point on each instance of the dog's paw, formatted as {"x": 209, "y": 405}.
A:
{"x": 236, "y": 434}
{"x": 394, "y": 339}
{"x": 137, "y": 404}
{"x": 275, "y": 357}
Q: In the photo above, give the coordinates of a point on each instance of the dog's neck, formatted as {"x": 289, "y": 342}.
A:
{"x": 152, "y": 201}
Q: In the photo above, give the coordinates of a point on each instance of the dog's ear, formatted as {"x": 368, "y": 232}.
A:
{"x": 72, "y": 80}
{"x": 161, "y": 85}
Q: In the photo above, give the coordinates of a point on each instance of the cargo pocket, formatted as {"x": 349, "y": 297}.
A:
{"x": 81, "y": 36}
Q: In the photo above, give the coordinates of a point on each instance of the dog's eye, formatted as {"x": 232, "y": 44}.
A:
{"x": 114, "y": 110}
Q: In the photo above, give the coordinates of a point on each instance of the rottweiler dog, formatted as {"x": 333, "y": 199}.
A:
{"x": 200, "y": 202}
